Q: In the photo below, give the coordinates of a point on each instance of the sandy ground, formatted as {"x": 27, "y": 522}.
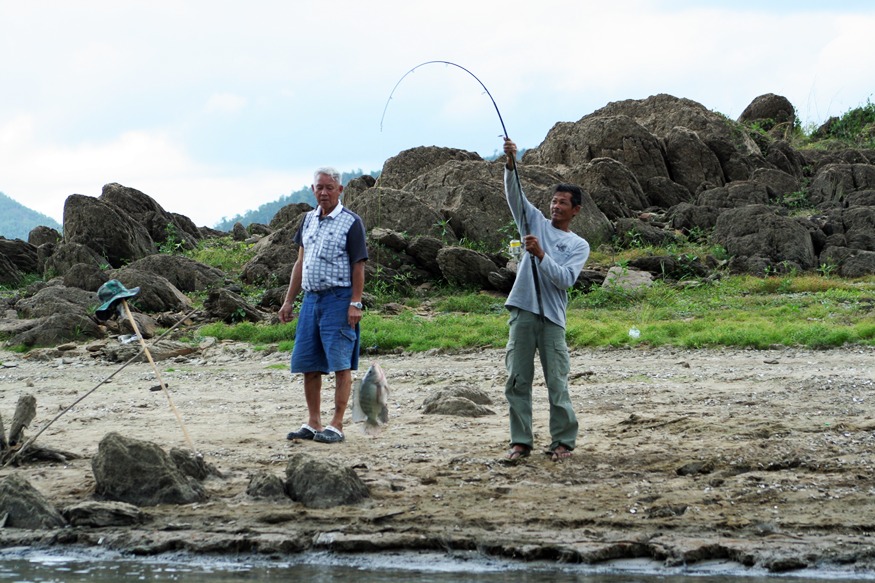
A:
{"x": 759, "y": 457}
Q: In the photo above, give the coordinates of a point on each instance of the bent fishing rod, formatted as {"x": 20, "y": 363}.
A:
{"x": 525, "y": 219}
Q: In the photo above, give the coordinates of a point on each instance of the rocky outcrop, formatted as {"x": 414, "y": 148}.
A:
{"x": 23, "y": 506}
{"x": 106, "y": 229}
{"x": 141, "y": 473}
{"x": 319, "y": 482}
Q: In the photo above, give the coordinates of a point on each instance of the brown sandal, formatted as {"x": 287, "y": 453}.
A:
{"x": 560, "y": 452}
{"x": 517, "y": 451}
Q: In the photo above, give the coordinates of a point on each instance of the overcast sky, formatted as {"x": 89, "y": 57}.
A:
{"x": 216, "y": 107}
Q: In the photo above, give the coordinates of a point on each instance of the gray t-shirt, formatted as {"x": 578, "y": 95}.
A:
{"x": 565, "y": 253}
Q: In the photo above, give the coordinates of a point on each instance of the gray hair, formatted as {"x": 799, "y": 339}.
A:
{"x": 327, "y": 171}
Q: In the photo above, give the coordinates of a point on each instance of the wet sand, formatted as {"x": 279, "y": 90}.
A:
{"x": 760, "y": 458}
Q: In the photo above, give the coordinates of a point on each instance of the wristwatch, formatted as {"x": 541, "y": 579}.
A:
{"x": 356, "y": 305}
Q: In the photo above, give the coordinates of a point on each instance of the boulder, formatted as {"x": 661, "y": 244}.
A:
{"x": 466, "y": 267}
{"x": 691, "y": 162}
{"x": 405, "y": 166}
{"x": 321, "y": 482}
{"x": 163, "y": 227}
{"x": 105, "y": 228}
{"x": 42, "y": 235}
{"x": 613, "y": 188}
{"x": 223, "y": 304}
{"x": 25, "y": 507}
{"x": 273, "y": 258}
{"x": 292, "y": 212}
{"x": 65, "y": 255}
{"x": 85, "y": 276}
{"x": 638, "y": 233}
{"x": 756, "y": 231}
{"x": 357, "y": 186}
{"x": 779, "y": 184}
{"x": 834, "y": 182}
{"x": 619, "y": 137}
{"x": 424, "y": 250}
{"x": 157, "y": 294}
{"x": 689, "y": 218}
{"x": 186, "y": 274}
{"x": 401, "y": 211}
{"x": 665, "y": 193}
{"x": 22, "y": 254}
{"x": 625, "y": 278}
{"x": 9, "y": 273}
{"x": 57, "y": 299}
{"x": 239, "y": 232}
{"x": 95, "y": 514}
{"x": 734, "y": 194}
{"x": 57, "y": 329}
{"x": 851, "y": 263}
{"x": 141, "y": 473}
{"x": 772, "y": 113}
{"x": 264, "y": 484}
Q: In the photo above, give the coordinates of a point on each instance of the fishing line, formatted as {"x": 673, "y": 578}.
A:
{"x": 525, "y": 225}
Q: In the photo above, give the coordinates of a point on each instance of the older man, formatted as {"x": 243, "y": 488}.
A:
{"x": 331, "y": 271}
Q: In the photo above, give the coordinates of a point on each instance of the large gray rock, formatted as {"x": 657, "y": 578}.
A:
{"x": 691, "y": 162}
{"x": 42, "y": 235}
{"x": 273, "y": 257}
{"x": 834, "y": 182}
{"x": 141, "y": 473}
{"x": 770, "y": 111}
{"x": 95, "y": 514}
{"x": 734, "y": 194}
{"x": 163, "y": 227}
{"x": 65, "y": 255}
{"x": 849, "y": 262}
{"x": 22, "y": 254}
{"x": 57, "y": 299}
{"x": 401, "y": 211}
{"x": 107, "y": 229}
{"x": 320, "y": 482}
{"x": 756, "y": 231}
{"x": 405, "y": 166}
{"x": 466, "y": 267}
{"x": 618, "y": 137}
{"x": 157, "y": 294}
{"x": 292, "y": 212}
{"x": 186, "y": 274}
{"x": 223, "y": 304}
{"x": 25, "y": 507}
{"x": 85, "y": 276}
{"x": 55, "y": 329}
{"x": 614, "y": 189}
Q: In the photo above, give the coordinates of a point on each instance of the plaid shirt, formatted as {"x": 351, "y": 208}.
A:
{"x": 331, "y": 246}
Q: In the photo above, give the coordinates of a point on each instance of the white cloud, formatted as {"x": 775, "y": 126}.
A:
{"x": 45, "y": 175}
{"x": 225, "y": 103}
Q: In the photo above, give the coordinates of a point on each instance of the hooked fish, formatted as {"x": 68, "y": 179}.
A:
{"x": 370, "y": 400}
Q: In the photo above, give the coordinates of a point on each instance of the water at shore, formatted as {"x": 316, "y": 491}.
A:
{"x": 28, "y": 565}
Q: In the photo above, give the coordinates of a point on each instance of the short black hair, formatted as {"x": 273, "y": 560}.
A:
{"x": 572, "y": 189}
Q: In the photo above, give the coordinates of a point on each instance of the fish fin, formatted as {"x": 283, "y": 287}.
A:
{"x": 358, "y": 414}
{"x": 384, "y": 414}
{"x": 372, "y": 429}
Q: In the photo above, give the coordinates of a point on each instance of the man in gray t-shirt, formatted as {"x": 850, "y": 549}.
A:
{"x": 559, "y": 255}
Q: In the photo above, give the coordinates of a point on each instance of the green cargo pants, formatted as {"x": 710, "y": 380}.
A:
{"x": 528, "y": 334}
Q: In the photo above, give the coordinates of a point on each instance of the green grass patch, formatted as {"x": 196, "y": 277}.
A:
{"x": 741, "y": 311}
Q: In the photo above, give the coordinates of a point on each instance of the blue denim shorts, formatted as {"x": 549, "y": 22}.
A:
{"x": 324, "y": 340}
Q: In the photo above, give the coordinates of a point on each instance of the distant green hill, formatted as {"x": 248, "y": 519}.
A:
{"x": 17, "y": 221}
{"x": 266, "y": 212}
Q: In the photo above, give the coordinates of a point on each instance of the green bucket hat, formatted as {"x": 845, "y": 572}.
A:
{"x": 110, "y": 294}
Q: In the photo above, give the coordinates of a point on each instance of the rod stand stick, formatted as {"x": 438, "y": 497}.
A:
{"x": 157, "y": 374}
